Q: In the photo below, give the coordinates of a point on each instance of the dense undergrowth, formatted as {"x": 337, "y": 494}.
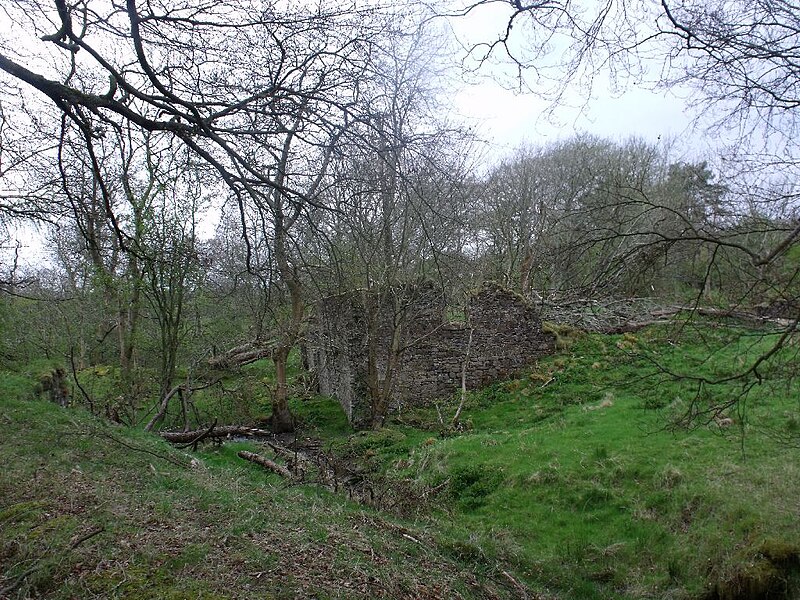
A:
{"x": 579, "y": 479}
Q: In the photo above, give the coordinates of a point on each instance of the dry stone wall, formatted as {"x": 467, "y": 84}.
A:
{"x": 506, "y": 335}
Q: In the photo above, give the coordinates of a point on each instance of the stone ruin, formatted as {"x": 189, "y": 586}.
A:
{"x": 506, "y": 335}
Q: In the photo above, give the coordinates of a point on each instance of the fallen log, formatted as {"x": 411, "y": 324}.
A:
{"x": 741, "y": 315}
{"x": 187, "y": 437}
{"x": 199, "y": 438}
{"x": 243, "y": 355}
{"x": 266, "y": 463}
{"x": 299, "y": 465}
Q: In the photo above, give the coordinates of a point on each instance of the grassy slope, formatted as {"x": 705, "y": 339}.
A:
{"x": 567, "y": 482}
{"x": 217, "y": 529}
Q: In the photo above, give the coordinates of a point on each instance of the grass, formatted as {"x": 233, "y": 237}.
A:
{"x": 579, "y": 479}
{"x": 91, "y": 510}
{"x": 581, "y": 475}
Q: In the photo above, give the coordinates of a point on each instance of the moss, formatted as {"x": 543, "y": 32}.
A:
{"x": 363, "y": 441}
{"x": 22, "y": 511}
{"x": 140, "y": 582}
{"x": 753, "y": 581}
{"x": 780, "y": 552}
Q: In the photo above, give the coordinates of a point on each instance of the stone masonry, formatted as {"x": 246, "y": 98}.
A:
{"x": 506, "y": 336}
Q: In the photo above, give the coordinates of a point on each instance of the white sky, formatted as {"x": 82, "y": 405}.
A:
{"x": 507, "y": 119}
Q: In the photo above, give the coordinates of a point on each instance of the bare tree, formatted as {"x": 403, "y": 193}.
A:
{"x": 562, "y": 221}
{"x": 260, "y": 94}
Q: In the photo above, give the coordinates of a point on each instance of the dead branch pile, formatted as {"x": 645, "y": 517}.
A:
{"x": 300, "y": 466}
{"x": 398, "y": 497}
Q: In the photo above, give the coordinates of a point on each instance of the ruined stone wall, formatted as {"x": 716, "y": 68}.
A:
{"x": 336, "y": 350}
{"x": 506, "y": 336}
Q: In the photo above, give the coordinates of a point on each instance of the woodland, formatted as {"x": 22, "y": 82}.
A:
{"x": 201, "y": 174}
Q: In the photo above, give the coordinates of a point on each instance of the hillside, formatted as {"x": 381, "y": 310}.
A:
{"x": 89, "y": 510}
{"x": 575, "y": 480}
{"x": 585, "y": 477}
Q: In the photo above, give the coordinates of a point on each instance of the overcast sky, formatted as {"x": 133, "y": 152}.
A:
{"x": 506, "y": 118}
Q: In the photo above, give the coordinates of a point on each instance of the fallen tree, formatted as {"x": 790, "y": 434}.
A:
{"x": 300, "y": 465}
{"x": 243, "y": 355}
{"x": 663, "y": 316}
{"x": 623, "y": 315}
{"x": 223, "y": 431}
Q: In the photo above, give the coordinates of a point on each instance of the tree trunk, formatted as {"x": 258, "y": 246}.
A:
{"x": 128, "y": 327}
{"x": 464, "y": 367}
{"x": 282, "y": 420}
{"x": 59, "y": 391}
{"x": 525, "y": 273}
{"x": 381, "y": 389}
{"x": 266, "y": 463}
{"x": 162, "y": 409}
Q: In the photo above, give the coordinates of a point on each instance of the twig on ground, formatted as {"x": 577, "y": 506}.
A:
{"x": 145, "y": 451}
{"x": 517, "y": 585}
{"x": 86, "y": 537}
{"x": 18, "y": 581}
